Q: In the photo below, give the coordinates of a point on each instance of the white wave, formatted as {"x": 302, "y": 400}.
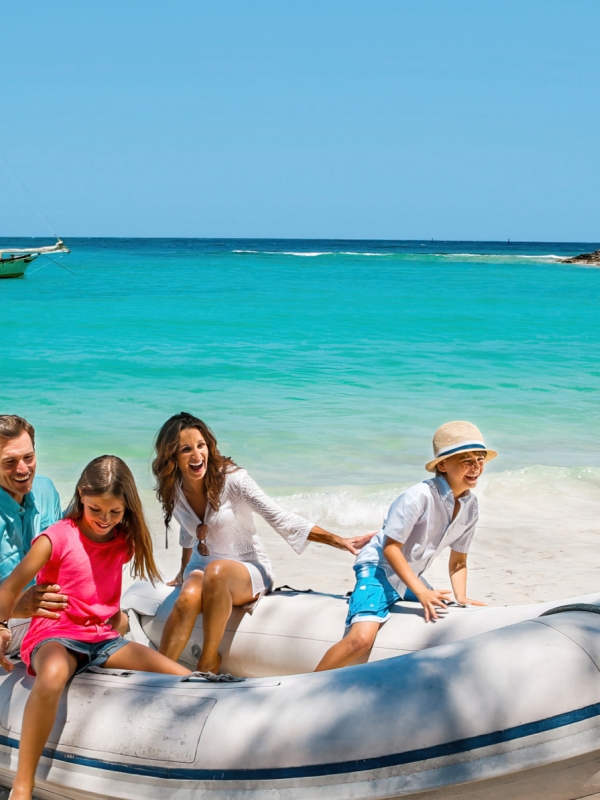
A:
{"x": 245, "y": 251}
{"x": 532, "y": 496}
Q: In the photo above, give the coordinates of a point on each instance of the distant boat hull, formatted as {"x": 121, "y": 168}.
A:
{"x": 16, "y": 266}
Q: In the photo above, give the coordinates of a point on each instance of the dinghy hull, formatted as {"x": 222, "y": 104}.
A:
{"x": 513, "y": 711}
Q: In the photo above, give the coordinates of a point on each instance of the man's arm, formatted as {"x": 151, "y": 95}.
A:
{"x": 457, "y": 567}
{"x": 430, "y": 599}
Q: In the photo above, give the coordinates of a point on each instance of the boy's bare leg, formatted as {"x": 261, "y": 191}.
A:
{"x": 138, "y": 656}
{"x": 358, "y": 641}
{"x": 180, "y": 623}
{"x": 54, "y": 665}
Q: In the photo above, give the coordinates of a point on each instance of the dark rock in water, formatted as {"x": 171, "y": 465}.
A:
{"x": 584, "y": 258}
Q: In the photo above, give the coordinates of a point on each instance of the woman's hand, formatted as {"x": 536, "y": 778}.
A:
{"x": 352, "y": 544}
{"x": 360, "y": 541}
{"x": 177, "y": 580}
{"x": 5, "y": 640}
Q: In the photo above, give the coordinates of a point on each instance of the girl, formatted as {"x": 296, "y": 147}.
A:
{"x": 224, "y": 563}
{"x": 103, "y": 529}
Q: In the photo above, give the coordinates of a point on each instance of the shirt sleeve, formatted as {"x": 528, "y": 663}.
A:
{"x": 292, "y": 527}
{"x": 186, "y": 539}
{"x": 463, "y": 544}
{"x": 57, "y": 509}
{"x": 401, "y": 518}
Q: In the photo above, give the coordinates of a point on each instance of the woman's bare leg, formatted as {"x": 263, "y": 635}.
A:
{"x": 180, "y": 623}
{"x": 359, "y": 641}
{"x": 138, "y": 656}
{"x": 54, "y": 665}
{"x": 226, "y": 584}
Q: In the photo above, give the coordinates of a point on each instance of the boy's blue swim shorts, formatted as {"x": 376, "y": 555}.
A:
{"x": 372, "y": 597}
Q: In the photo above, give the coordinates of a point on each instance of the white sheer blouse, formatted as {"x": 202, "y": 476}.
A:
{"x": 231, "y": 530}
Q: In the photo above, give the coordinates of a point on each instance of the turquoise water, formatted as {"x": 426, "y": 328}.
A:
{"x": 317, "y": 364}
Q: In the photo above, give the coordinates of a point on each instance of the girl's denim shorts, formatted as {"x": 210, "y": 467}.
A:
{"x": 89, "y": 654}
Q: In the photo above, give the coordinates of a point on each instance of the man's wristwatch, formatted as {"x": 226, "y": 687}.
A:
{"x": 4, "y": 624}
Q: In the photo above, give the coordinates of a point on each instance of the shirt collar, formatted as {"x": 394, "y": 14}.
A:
{"x": 443, "y": 488}
{"x": 10, "y": 506}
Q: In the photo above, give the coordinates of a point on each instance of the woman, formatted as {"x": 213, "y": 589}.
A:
{"x": 224, "y": 563}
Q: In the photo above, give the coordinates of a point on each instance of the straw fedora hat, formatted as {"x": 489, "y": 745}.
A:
{"x": 457, "y": 437}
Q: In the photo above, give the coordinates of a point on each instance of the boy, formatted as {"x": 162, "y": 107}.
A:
{"x": 420, "y": 523}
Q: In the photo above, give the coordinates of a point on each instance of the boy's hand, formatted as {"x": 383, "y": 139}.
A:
{"x": 431, "y": 599}
{"x": 5, "y": 640}
{"x": 466, "y": 601}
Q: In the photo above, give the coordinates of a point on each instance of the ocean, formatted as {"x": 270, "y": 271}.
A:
{"x": 323, "y": 367}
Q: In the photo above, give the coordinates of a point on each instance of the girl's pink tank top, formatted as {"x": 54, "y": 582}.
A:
{"x": 90, "y": 574}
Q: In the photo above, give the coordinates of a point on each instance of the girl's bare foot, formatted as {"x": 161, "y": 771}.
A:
{"x": 214, "y": 665}
{"x": 20, "y": 794}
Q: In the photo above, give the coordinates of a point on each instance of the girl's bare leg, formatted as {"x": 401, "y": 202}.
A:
{"x": 180, "y": 623}
{"x": 137, "y": 656}
{"x": 226, "y": 584}
{"x": 359, "y": 641}
{"x": 54, "y": 665}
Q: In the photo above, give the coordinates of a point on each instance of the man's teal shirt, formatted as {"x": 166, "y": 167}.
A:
{"x": 19, "y": 525}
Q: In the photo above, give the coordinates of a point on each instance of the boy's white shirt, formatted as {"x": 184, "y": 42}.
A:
{"x": 421, "y": 520}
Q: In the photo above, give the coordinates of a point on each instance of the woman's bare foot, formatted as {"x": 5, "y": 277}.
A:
{"x": 212, "y": 665}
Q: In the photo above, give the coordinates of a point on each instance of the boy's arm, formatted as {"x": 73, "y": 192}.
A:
{"x": 11, "y": 588}
{"x": 457, "y": 567}
{"x": 430, "y": 599}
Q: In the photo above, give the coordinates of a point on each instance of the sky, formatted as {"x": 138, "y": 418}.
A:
{"x": 384, "y": 119}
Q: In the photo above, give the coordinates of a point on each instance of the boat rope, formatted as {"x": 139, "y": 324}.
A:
{"x": 62, "y": 266}
{"x": 285, "y": 587}
{"x": 572, "y": 607}
{"x": 28, "y": 196}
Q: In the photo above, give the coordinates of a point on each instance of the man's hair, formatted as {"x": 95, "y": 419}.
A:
{"x": 12, "y": 426}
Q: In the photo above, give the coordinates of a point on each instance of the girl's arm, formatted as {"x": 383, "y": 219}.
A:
{"x": 11, "y": 588}
{"x": 430, "y": 599}
{"x": 186, "y": 554}
{"x": 457, "y": 567}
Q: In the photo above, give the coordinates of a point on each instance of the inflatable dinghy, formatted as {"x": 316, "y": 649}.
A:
{"x": 481, "y": 708}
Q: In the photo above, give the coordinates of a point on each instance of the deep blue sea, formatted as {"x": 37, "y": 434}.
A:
{"x": 318, "y": 364}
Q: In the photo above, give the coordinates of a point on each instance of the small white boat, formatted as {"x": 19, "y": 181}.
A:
{"x": 14, "y": 263}
{"x": 491, "y": 703}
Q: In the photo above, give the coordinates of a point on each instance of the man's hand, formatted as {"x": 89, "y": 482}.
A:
{"x": 431, "y": 599}
{"x": 5, "y": 640}
{"x": 42, "y": 600}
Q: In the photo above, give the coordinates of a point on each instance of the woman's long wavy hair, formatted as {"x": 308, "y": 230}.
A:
{"x": 166, "y": 470}
{"x": 111, "y": 475}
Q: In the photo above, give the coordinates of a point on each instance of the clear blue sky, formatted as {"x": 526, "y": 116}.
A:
{"x": 457, "y": 119}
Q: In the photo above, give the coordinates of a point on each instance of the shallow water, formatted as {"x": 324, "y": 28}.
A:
{"x": 323, "y": 367}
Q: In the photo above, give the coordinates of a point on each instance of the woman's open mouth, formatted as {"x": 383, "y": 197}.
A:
{"x": 197, "y": 468}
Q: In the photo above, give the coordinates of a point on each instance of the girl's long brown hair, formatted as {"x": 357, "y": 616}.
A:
{"x": 111, "y": 475}
{"x": 166, "y": 470}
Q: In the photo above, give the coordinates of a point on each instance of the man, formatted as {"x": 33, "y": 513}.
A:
{"x": 28, "y": 505}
